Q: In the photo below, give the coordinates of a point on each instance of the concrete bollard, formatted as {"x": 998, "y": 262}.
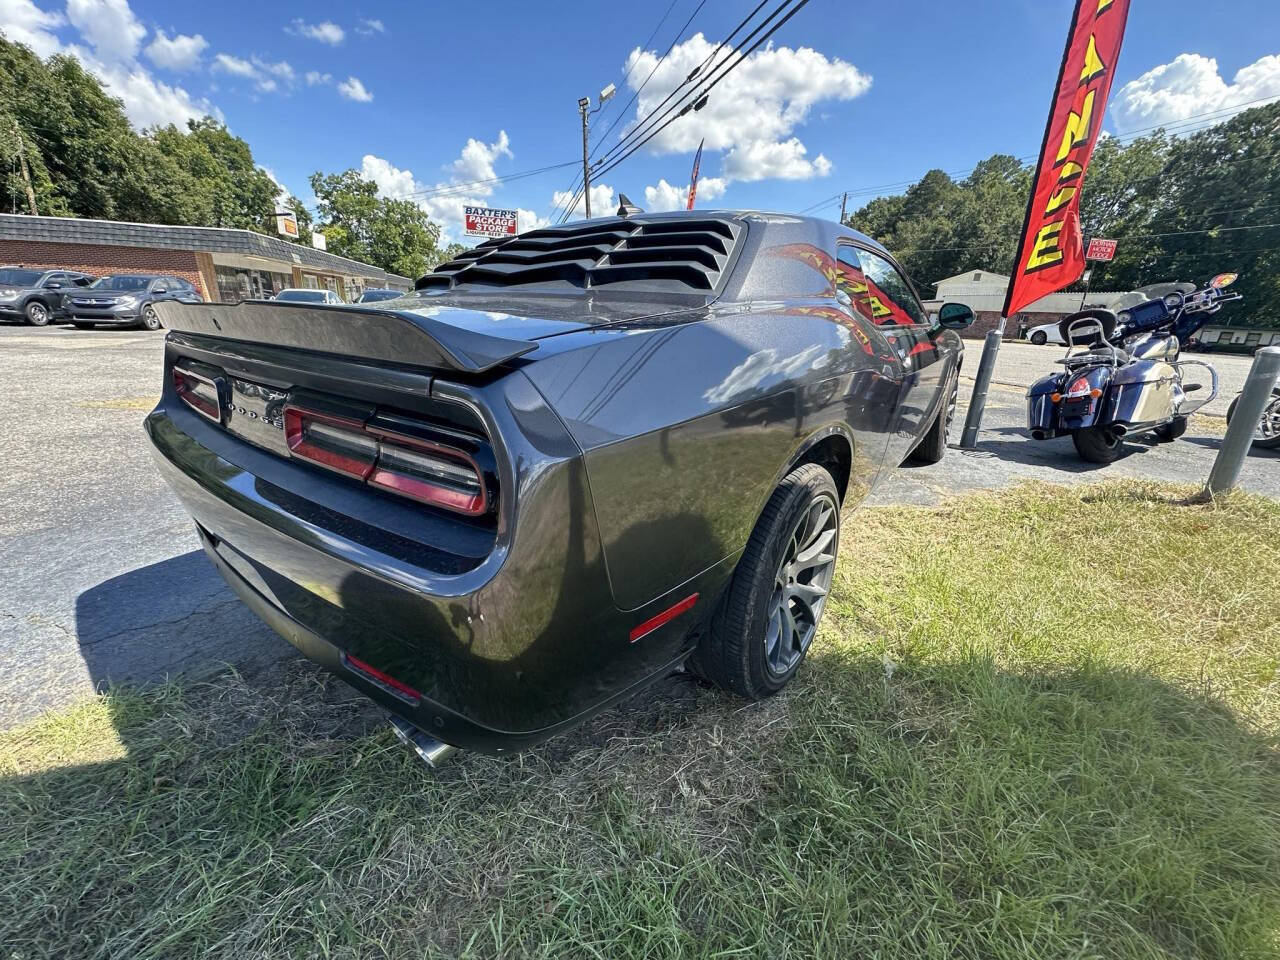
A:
{"x": 981, "y": 384}
{"x": 1253, "y": 400}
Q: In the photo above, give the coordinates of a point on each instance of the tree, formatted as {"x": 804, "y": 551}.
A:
{"x": 1182, "y": 208}
{"x": 396, "y": 235}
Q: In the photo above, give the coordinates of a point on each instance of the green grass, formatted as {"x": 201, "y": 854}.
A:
{"x": 1039, "y": 724}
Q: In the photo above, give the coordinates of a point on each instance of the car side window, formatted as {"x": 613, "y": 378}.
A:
{"x": 53, "y": 278}
{"x": 851, "y": 281}
{"x": 890, "y": 296}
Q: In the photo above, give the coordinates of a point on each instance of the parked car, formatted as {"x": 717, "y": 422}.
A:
{"x": 584, "y": 456}
{"x": 374, "y": 294}
{"x": 128, "y": 300}
{"x": 1046, "y": 333}
{"x": 308, "y": 295}
{"x": 36, "y": 296}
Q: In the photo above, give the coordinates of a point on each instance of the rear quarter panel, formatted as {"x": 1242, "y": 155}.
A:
{"x": 686, "y": 430}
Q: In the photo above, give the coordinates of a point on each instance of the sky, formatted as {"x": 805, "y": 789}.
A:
{"x": 850, "y": 96}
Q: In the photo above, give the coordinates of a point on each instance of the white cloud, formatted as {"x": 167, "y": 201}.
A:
{"x": 766, "y": 365}
{"x": 476, "y": 160}
{"x": 1188, "y": 86}
{"x": 115, "y": 36}
{"x": 761, "y": 160}
{"x": 367, "y": 28}
{"x": 266, "y": 76}
{"x": 444, "y": 200}
{"x": 353, "y": 89}
{"x": 315, "y": 78}
{"x": 754, "y": 110}
{"x": 23, "y": 22}
{"x": 667, "y": 197}
{"x": 178, "y": 53}
{"x": 604, "y": 202}
{"x": 147, "y": 101}
{"x": 323, "y": 32}
{"x": 109, "y": 26}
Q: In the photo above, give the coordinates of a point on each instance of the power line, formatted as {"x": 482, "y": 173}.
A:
{"x": 628, "y": 144}
{"x": 465, "y": 185}
{"x": 700, "y": 94}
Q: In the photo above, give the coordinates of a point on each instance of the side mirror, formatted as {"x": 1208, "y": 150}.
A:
{"x": 160, "y": 290}
{"x": 53, "y": 285}
{"x": 955, "y": 316}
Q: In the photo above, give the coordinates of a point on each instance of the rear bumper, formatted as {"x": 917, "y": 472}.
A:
{"x": 505, "y": 651}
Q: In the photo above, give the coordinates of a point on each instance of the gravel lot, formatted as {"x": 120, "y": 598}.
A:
{"x": 104, "y": 580}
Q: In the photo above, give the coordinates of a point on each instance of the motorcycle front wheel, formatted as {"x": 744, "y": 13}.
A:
{"x": 1096, "y": 444}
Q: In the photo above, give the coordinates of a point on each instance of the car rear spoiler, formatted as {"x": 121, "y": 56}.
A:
{"x": 393, "y": 336}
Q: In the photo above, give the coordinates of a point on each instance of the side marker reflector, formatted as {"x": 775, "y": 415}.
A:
{"x": 666, "y": 616}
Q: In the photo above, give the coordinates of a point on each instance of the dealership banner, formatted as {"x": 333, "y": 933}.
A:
{"x": 693, "y": 181}
{"x": 487, "y": 222}
{"x": 1050, "y": 250}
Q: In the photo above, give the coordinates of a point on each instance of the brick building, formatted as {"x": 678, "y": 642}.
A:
{"x": 983, "y": 292}
{"x": 222, "y": 264}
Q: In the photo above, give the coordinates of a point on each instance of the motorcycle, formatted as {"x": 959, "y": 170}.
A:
{"x": 1123, "y": 373}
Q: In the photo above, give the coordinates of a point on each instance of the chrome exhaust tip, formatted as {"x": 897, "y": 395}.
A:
{"x": 431, "y": 751}
{"x": 1039, "y": 435}
{"x": 1119, "y": 429}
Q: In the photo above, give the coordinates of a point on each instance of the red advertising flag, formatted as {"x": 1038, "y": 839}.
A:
{"x": 693, "y": 182}
{"x": 1050, "y": 251}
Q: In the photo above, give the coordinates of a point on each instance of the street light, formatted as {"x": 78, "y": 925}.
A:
{"x": 584, "y": 108}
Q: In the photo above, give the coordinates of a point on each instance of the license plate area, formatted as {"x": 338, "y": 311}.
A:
{"x": 255, "y": 413}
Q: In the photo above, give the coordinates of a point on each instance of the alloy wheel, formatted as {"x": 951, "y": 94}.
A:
{"x": 38, "y": 314}
{"x": 801, "y": 585}
{"x": 149, "y": 318}
{"x": 1269, "y": 425}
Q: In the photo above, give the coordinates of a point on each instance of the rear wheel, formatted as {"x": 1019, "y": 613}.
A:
{"x": 775, "y": 601}
{"x": 37, "y": 313}
{"x": 1039, "y": 338}
{"x": 934, "y": 445}
{"x": 1172, "y": 430}
{"x": 150, "y": 319}
{"x": 1096, "y": 444}
{"x": 1266, "y": 435}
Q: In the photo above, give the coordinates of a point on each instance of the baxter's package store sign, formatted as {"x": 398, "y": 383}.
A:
{"x": 487, "y": 222}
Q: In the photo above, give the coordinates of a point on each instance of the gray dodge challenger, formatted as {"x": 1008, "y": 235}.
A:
{"x": 566, "y": 464}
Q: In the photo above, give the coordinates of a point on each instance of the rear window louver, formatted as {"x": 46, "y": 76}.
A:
{"x": 666, "y": 256}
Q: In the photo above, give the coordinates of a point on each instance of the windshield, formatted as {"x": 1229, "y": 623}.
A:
{"x": 19, "y": 278}
{"x": 308, "y": 296}
{"x": 121, "y": 283}
{"x": 370, "y": 295}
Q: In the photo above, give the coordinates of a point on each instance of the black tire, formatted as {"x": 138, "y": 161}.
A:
{"x": 1262, "y": 443}
{"x": 1097, "y": 444}
{"x": 150, "y": 320}
{"x": 737, "y": 653}
{"x": 1172, "y": 430}
{"x": 1039, "y": 338}
{"x": 38, "y": 313}
{"x": 933, "y": 447}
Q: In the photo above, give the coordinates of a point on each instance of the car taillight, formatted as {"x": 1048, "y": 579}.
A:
{"x": 198, "y": 392}
{"x": 428, "y": 472}
{"x": 333, "y": 442}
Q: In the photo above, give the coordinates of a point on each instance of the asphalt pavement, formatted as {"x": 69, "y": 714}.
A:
{"x": 103, "y": 580}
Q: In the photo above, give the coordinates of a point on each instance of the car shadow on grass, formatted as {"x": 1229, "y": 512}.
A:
{"x": 871, "y": 808}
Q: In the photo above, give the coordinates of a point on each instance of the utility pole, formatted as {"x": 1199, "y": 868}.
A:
{"x": 26, "y": 174}
{"x": 584, "y": 106}
{"x": 843, "y": 200}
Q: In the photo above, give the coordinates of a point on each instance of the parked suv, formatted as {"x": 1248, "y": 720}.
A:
{"x": 127, "y": 300}
{"x": 35, "y": 295}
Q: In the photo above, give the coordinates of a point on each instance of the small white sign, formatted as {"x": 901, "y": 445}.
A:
{"x": 318, "y": 241}
{"x": 287, "y": 225}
